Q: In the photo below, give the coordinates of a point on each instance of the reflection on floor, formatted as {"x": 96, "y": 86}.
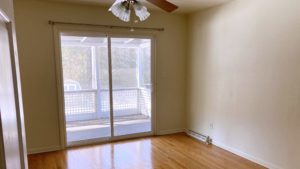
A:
{"x": 177, "y": 151}
{"x": 93, "y": 129}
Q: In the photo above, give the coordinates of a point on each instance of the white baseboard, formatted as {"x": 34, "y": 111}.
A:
{"x": 241, "y": 154}
{"x": 246, "y": 156}
{"x": 172, "y": 131}
{"x": 43, "y": 149}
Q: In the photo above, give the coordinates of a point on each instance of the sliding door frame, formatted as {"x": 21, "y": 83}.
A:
{"x": 59, "y": 30}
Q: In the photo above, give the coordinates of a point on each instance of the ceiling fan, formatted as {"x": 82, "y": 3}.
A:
{"x": 122, "y": 8}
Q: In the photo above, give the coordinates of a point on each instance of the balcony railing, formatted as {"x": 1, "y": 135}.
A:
{"x": 95, "y": 104}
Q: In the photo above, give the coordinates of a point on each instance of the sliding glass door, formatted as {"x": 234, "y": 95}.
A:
{"x": 86, "y": 87}
{"x": 131, "y": 85}
{"x": 107, "y": 87}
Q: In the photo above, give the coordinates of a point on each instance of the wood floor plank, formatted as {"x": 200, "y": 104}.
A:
{"x": 177, "y": 151}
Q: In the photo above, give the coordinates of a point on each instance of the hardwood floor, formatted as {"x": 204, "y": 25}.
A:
{"x": 163, "y": 152}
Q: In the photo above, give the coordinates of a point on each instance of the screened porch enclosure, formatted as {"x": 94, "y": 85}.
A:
{"x": 86, "y": 77}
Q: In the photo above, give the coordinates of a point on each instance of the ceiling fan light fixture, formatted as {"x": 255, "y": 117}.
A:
{"x": 141, "y": 11}
{"x": 125, "y": 15}
{"x": 121, "y": 10}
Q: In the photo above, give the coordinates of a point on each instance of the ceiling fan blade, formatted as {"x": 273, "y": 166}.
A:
{"x": 163, "y": 4}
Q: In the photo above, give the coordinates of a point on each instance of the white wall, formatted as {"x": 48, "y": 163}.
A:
{"x": 35, "y": 42}
{"x": 244, "y": 77}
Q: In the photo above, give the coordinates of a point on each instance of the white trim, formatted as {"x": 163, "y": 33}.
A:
{"x": 108, "y": 139}
{"x": 246, "y": 156}
{"x": 171, "y": 131}
{"x": 18, "y": 96}
{"x": 5, "y": 19}
{"x": 43, "y": 149}
{"x": 2, "y": 151}
{"x": 88, "y": 142}
{"x": 59, "y": 83}
{"x": 2, "y": 148}
{"x": 110, "y": 81}
{"x": 153, "y": 84}
{"x": 132, "y": 136}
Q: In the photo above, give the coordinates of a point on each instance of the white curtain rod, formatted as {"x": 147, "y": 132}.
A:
{"x": 106, "y": 26}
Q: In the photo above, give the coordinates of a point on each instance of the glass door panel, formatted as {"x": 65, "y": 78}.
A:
{"x": 86, "y": 87}
{"x": 131, "y": 85}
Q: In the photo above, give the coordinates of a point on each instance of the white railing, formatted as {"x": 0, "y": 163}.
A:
{"x": 89, "y": 104}
{"x": 80, "y": 102}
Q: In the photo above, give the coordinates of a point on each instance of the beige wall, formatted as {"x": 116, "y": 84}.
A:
{"x": 244, "y": 78}
{"x": 243, "y": 74}
{"x": 38, "y": 68}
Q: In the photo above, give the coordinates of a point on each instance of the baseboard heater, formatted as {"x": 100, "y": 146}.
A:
{"x": 198, "y": 136}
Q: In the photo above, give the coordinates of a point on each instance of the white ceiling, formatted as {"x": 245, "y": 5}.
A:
{"x": 185, "y": 6}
